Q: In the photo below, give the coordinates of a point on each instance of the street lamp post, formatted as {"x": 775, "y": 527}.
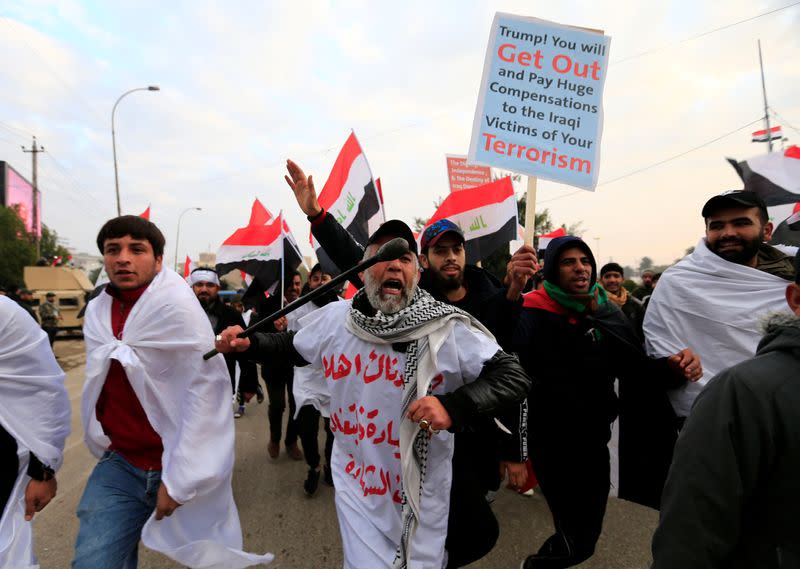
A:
{"x": 178, "y": 236}
{"x": 114, "y": 137}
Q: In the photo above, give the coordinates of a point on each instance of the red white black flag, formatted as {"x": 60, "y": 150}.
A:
{"x": 486, "y": 214}
{"x": 774, "y": 176}
{"x": 351, "y": 196}
{"x": 765, "y": 135}
{"x": 261, "y": 250}
{"x": 544, "y": 240}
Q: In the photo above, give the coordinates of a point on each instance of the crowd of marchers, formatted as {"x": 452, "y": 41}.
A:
{"x": 435, "y": 384}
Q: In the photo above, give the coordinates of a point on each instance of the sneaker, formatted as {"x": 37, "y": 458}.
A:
{"x": 294, "y": 452}
{"x": 312, "y": 482}
{"x": 239, "y": 412}
{"x": 273, "y": 449}
{"x": 328, "y": 475}
{"x": 259, "y": 394}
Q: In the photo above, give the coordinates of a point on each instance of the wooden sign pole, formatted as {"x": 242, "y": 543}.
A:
{"x": 530, "y": 211}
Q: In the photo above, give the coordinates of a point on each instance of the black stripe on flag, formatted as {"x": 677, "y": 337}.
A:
{"x": 481, "y": 247}
{"x": 771, "y": 193}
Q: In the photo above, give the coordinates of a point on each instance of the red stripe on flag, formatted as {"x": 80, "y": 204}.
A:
{"x": 259, "y": 215}
{"x": 256, "y": 234}
{"x": 187, "y": 265}
{"x": 473, "y": 198}
{"x": 792, "y": 152}
{"x": 146, "y": 214}
{"x": 341, "y": 168}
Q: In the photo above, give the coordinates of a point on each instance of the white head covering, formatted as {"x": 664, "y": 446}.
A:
{"x": 203, "y": 276}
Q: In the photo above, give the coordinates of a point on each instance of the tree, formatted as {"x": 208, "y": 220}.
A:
{"x": 645, "y": 264}
{"x": 49, "y": 247}
{"x": 16, "y": 249}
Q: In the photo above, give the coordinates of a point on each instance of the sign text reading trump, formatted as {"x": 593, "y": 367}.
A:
{"x": 540, "y": 108}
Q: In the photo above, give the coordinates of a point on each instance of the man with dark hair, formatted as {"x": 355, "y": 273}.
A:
{"x": 717, "y": 295}
{"x": 34, "y": 423}
{"x": 155, "y": 415}
{"x": 646, "y": 288}
{"x": 733, "y": 492}
{"x": 400, "y": 369}
{"x": 481, "y": 452}
{"x": 574, "y": 343}
{"x": 205, "y": 284}
{"x": 308, "y": 414}
{"x": 24, "y": 298}
{"x": 612, "y": 276}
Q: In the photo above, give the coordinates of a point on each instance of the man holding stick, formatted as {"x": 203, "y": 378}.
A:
{"x": 402, "y": 371}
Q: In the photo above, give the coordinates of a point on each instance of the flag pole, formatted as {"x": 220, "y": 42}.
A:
{"x": 764, "y": 91}
{"x": 530, "y": 211}
{"x": 283, "y": 257}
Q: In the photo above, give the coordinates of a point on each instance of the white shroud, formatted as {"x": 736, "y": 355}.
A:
{"x": 187, "y": 401}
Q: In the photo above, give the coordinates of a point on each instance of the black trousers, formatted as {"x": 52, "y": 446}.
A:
{"x": 279, "y": 389}
{"x": 572, "y": 466}
{"x": 51, "y": 333}
{"x": 308, "y": 429}
{"x": 472, "y": 529}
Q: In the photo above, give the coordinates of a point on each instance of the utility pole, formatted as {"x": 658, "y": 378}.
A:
{"x": 766, "y": 107}
{"x": 36, "y": 222}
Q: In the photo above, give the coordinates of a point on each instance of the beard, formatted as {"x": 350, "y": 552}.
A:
{"x": 390, "y": 304}
{"x": 749, "y": 249}
{"x": 448, "y": 283}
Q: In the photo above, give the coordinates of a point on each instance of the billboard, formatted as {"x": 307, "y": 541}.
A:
{"x": 15, "y": 190}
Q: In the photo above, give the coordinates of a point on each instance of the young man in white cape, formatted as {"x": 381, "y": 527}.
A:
{"x": 401, "y": 372}
{"x": 34, "y": 423}
{"x": 156, "y": 415}
{"x": 715, "y": 298}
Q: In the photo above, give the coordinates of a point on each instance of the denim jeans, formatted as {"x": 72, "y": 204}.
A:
{"x": 116, "y": 503}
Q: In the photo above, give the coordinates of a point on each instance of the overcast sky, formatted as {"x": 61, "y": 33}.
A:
{"x": 245, "y": 85}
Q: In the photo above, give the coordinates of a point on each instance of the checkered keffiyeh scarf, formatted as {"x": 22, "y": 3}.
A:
{"x": 423, "y": 325}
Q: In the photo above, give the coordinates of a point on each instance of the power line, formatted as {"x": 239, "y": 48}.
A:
{"x": 659, "y": 163}
{"x": 703, "y": 34}
{"x": 783, "y": 120}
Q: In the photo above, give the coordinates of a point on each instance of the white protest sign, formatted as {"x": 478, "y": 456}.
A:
{"x": 540, "y": 106}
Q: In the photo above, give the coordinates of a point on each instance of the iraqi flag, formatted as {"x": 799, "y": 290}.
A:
{"x": 351, "y": 196}
{"x": 146, "y": 213}
{"x": 766, "y": 135}
{"x": 265, "y": 251}
{"x": 774, "y": 176}
{"x": 486, "y": 214}
{"x": 544, "y": 240}
{"x": 782, "y": 216}
{"x": 188, "y": 267}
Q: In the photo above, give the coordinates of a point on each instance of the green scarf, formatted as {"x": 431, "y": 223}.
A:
{"x": 579, "y": 303}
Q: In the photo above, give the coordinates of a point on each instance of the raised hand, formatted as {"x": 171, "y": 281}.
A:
{"x": 303, "y": 188}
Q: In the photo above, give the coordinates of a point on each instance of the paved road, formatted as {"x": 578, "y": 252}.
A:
{"x": 302, "y": 532}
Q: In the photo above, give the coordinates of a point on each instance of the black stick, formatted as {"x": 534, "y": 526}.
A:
{"x": 389, "y": 251}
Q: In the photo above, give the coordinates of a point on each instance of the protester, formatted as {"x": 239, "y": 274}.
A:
{"x": 205, "y": 284}
{"x": 307, "y": 413}
{"x": 50, "y": 315}
{"x": 34, "y": 423}
{"x": 156, "y": 416}
{"x": 400, "y": 368}
{"x": 472, "y": 527}
{"x": 716, "y": 295}
{"x": 612, "y": 275}
{"x": 278, "y": 375}
{"x": 574, "y": 343}
{"x": 646, "y": 299}
{"x": 646, "y": 288}
{"x": 733, "y": 492}
{"x": 24, "y": 298}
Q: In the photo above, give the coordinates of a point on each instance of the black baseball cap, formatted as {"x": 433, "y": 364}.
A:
{"x": 735, "y": 198}
{"x": 395, "y": 228}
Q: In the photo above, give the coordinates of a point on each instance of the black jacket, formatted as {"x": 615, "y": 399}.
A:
{"x": 733, "y": 494}
{"x": 573, "y": 360}
{"x": 221, "y": 317}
